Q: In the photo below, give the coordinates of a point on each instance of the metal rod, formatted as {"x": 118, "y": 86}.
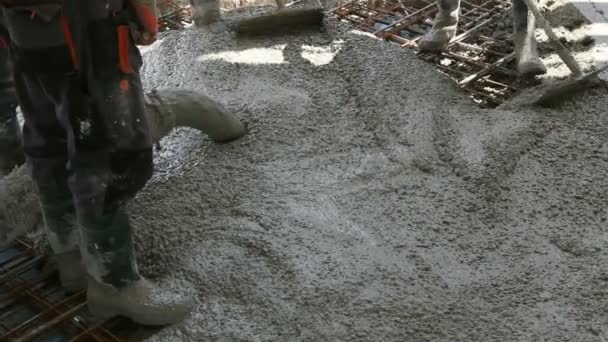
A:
{"x": 485, "y": 71}
{"x": 42, "y": 314}
{"x": 93, "y": 328}
{"x": 407, "y": 17}
{"x": 40, "y": 329}
{"x": 10, "y": 260}
{"x": 467, "y": 33}
{"x": 18, "y": 269}
{"x": 4, "y": 326}
{"x": 404, "y": 22}
{"x": 28, "y": 291}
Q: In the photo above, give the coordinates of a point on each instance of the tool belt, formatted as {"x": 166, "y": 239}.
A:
{"x": 111, "y": 46}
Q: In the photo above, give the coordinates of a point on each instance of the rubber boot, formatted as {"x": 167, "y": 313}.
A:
{"x": 115, "y": 287}
{"x": 141, "y": 301}
{"x": 11, "y": 152}
{"x": 444, "y": 28}
{"x": 526, "y": 50}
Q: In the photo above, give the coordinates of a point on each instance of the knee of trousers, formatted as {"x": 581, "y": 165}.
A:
{"x": 131, "y": 171}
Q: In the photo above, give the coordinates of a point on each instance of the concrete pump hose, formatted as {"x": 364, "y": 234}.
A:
{"x": 193, "y": 109}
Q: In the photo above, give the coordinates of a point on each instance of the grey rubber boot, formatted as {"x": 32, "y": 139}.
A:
{"x": 444, "y": 28}
{"x": 115, "y": 287}
{"x": 526, "y": 50}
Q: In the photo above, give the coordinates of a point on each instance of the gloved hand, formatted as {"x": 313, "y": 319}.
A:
{"x": 145, "y": 11}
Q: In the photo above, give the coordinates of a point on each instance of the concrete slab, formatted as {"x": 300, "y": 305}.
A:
{"x": 371, "y": 201}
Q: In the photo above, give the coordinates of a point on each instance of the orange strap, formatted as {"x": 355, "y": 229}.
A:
{"x": 124, "y": 35}
{"x": 69, "y": 40}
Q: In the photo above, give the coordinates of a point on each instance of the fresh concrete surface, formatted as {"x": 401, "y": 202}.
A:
{"x": 372, "y": 201}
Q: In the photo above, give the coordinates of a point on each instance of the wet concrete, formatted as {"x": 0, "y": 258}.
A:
{"x": 371, "y": 201}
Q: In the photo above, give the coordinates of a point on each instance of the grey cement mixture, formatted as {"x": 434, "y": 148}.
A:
{"x": 372, "y": 201}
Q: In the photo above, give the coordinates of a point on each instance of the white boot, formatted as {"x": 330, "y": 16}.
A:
{"x": 526, "y": 51}
{"x": 443, "y": 31}
{"x": 141, "y": 301}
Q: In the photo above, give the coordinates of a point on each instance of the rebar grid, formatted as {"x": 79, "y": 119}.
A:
{"x": 486, "y": 74}
{"x": 173, "y": 14}
{"x": 33, "y": 307}
{"x": 480, "y": 65}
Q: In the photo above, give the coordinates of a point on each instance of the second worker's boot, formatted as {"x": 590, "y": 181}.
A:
{"x": 526, "y": 51}
{"x": 115, "y": 287}
{"x": 444, "y": 27}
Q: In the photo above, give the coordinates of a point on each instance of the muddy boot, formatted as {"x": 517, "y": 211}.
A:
{"x": 115, "y": 287}
{"x": 444, "y": 28}
{"x": 526, "y": 50}
{"x": 526, "y": 55}
{"x": 11, "y": 153}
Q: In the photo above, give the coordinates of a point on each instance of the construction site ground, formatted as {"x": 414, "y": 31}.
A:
{"x": 372, "y": 200}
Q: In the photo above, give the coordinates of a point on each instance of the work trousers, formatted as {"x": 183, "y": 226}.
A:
{"x": 11, "y": 154}
{"x": 89, "y": 150}
{"x": 520, "y": 12}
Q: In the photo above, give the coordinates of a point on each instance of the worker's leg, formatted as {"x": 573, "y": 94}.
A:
{"x": 205, "y": 12}
{"x": 112, "y": 161}
{"x": 11, "y": 153}
{"x": 444, "y": 28}
{"x": 45, "y": 145}
{"x": 104, "y": 177}
{"x": 102, "y": 183}
{"x": 526, "y": 51}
